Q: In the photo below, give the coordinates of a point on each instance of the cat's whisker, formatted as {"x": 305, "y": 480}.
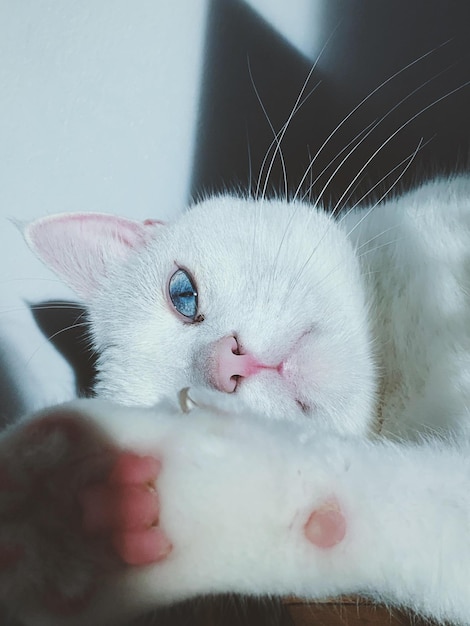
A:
{"x": 379, "y": 149}
{"x": 365, "y": 133}
{"x": 359, "y": 105}
{"x": 369, "y": 211}
{"x": 284, "y": 130}
{"x": 56, "y": 334}
{"x": 53, "y": 305}
{"x": 384, "y": 143}
{"x": 28, "y": 309}
{"x": 370, "y": 273}
{"x": 389, "y": 138}
{"x": 311, "y": 173}
{"x": 381, "y": 234}
{"x": 250, "y": 170}
{"x": 351, "y": 193}
{"x": 382, "y": 245}
{"x": 371, "y": 127}
{"x": 279, "y": 137}
{"x": 330, "y": 163}
{"x": 292, "y": 217}
{"x": 294, "y": 212}
{"x": 407, "y": 159}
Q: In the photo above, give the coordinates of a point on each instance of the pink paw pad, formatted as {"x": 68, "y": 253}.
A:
{"x": 126, "y": 506}
{"x": 326, "y": 526}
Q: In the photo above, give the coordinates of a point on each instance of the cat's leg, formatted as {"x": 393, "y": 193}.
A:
{"x": 243, "y": 505}
{"x": 80, "y": 519}
{"x": 272, "y": 508}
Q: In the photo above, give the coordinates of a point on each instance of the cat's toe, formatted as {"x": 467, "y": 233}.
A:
{"x": 142, "y": 547}
{"x": 132, "y": 469}
{"x": 125, "y": 507}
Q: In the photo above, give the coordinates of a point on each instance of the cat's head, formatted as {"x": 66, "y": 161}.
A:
{"x": 262, "y": 300}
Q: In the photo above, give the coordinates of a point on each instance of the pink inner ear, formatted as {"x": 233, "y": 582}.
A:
{"x": 82, "y": 247}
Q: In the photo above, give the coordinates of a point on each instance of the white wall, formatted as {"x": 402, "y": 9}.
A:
{"x": 98, "y": 106}
{"x": 98, "y": 109}
{"x": 98, "y": 102}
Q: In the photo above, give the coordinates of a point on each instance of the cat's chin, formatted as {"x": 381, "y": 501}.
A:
{"x": 255, "y": 402}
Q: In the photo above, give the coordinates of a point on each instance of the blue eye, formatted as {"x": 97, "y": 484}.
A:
{"x": 183, "y": 294}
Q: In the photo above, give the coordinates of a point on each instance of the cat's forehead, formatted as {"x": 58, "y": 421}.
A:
{"x": 233, "y": 223}
{"x": 233, "y": 244}
{"x": 239, "y": 214}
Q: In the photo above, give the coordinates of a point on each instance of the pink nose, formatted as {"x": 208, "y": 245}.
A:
{"x": 229, "y": 365}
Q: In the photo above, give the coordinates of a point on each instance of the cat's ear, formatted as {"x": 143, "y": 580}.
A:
{"x": 82, "y": 247}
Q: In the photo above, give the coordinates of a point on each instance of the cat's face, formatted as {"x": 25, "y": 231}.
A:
{"x": 262, "y": 300}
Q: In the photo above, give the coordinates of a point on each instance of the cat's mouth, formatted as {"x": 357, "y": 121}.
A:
{"x": 233, "y": 369}
{"x": 284, "y": 374}
{"x": 296, "y": 372}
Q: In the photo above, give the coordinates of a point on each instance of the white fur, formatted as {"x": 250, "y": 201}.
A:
{"x": 372, "y": 319}
{"x": 255, "y": 279}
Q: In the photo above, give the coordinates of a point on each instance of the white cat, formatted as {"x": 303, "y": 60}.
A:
{"x": 288, "y": 360}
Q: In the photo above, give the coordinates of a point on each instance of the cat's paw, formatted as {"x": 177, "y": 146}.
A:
{"x": 75, "y": 509}
{"x": 88, "y": 492}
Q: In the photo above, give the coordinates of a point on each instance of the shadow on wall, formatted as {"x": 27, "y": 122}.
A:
{"x": 370, "y": 42}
